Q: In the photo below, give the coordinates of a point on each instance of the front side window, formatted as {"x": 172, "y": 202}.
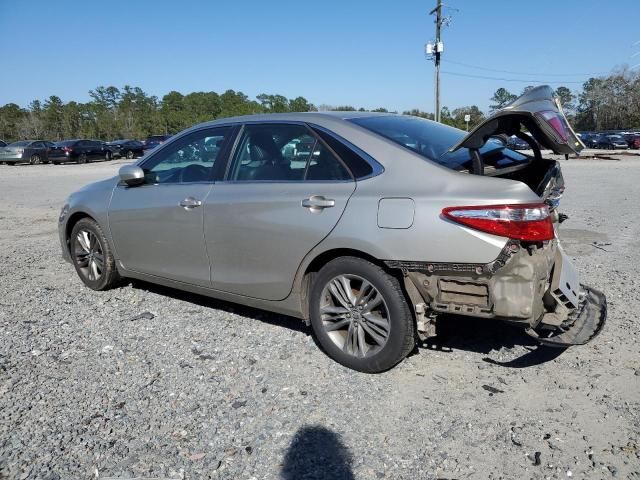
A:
{"x": 188, "y": 159}
{"x": 280, "y": 152}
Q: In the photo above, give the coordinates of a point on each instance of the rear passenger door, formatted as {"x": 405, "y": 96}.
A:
{"x": 283, "y": 193}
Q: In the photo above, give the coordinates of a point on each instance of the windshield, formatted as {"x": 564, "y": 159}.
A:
{"x": 432, "y": 140}
{"x": 22, "y": 143}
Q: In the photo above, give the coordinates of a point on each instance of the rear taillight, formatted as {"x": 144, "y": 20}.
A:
{"x": 529, "y": 222}
{"x": 19, "y": 150}
{"x": 557, "y": 122}
{"x": 67, "y": 149}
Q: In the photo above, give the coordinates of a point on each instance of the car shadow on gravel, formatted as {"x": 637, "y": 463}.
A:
{"x": 318, "y": 453}
{"x": 458, "y": 332}
{"x": 454, "y": 332}
{"x": 229, "y": 307}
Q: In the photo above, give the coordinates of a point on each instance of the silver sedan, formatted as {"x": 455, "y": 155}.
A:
{"x": 369, "y": 227}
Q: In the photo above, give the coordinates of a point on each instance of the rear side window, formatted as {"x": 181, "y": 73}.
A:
{"x": 432, "y": 140}
{"x": 356, "y": 163}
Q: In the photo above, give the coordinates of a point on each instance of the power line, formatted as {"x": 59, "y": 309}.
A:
{"x": 510, "y": 79}
{"x": 523, "y": 73}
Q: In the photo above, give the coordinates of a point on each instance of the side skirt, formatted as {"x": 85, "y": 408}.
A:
{"x": 290, "y": 306}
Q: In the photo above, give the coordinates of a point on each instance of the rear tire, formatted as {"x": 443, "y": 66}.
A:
{"x": 130, "y": 155}
{"x": 92, "y": 256}
{"x": 107, "y": 156}
{"x": 360, "y": 316}
{"x": 35, "y": 159}
{"x": 82, "y": 158}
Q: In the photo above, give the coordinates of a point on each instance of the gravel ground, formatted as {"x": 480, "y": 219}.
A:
{"x": 144, "y": 381}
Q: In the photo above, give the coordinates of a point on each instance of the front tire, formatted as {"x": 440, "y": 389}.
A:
{"x": 360, "y": 315}
{"x": 92, "y": 255}
{"x": 35, "y": 159}
{"x": 130, "y": 155}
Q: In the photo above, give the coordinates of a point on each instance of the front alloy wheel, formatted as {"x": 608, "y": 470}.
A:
{"x": 92, "y": 255}
{"x": 360, "y": 315}
{"x": 88, "y": 254}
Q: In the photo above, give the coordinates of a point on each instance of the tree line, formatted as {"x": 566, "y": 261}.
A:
{"x": 608, "y": 102}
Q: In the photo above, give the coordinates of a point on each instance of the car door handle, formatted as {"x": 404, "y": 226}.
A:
{"x": 190, "y": 202}
{"x": 318, "y": 202}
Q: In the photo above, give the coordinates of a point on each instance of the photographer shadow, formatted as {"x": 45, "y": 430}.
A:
{"x": 319, "y": 454}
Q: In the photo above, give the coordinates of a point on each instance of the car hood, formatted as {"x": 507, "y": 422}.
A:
{"x": 540, "y": 112}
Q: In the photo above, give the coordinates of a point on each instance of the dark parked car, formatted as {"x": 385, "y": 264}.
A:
{"x": 633, "y": 139}
{"x": 126, "y": 148}
{"x": 590, "y": 140}
{"x": 26, "y": 151}
{"x": 81, "y": 151}
{"x": 612, "y": 142}
{"x": 153, "y": 141}
{"x": 516, "y": 143}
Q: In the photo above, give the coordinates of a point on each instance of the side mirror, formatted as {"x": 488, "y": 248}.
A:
{"x": 131, "y": 175}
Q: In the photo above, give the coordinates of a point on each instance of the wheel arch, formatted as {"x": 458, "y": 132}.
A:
{"x": 321, "y": 259}
{"x": 73, "y": 219}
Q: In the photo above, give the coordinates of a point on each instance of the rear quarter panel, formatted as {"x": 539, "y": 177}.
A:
{"x": 432, "y": 188}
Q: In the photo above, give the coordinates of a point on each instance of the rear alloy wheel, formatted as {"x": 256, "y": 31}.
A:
{"x": 82, "y": 158}
{"x": 107, "y": 156}
{"x": 35, "y": 159}
{"x": 130, "y": 155}
{"x": 360, "y": 316}
{"x": 92, "y": 256}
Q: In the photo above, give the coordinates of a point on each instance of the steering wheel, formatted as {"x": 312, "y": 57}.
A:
{"x": 193, "y": 173}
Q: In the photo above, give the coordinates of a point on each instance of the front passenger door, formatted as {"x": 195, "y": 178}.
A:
{"x": 157, "y": 227}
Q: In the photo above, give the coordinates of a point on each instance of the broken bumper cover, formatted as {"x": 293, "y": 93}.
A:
{"x": 589, "y": 321}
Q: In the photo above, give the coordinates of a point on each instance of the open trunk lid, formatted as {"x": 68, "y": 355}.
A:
{"x": 540, "y": 112}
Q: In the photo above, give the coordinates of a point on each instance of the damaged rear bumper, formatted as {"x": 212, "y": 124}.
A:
{"x": 532, "y": 285}
{"x": 583, "y": 325}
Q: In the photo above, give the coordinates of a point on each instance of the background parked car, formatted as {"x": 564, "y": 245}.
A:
{"x": 79, "y": 150}
{"x": 153, "y": 141}
{"x": 612, "y": 142}
{"x": 26, "y": 151}
{"x": 590, "y": 140}
{"x": 633, "y": 139}
{"x": 3, "y": 143}
{"x": 126, "y": 148}
{"x": 515, "y": 143}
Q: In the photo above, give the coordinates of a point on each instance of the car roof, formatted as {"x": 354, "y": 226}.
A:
{"x": 295, "y": 117}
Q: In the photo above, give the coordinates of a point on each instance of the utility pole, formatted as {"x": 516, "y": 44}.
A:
{"x": 434, "y": 51}
{"x": 438, "y": 51}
